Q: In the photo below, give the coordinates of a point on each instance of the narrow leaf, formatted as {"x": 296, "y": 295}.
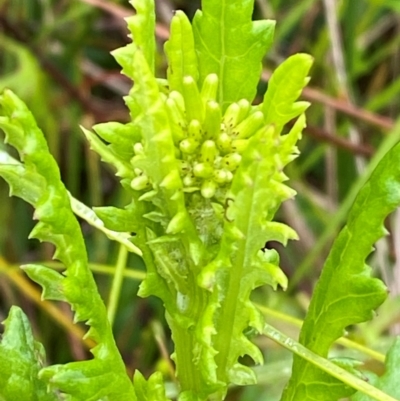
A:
{"x": 256, "y": 193}
{"x": 346, "y": 293}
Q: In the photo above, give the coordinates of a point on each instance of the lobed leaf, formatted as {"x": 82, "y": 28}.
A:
{"x": 346, "y": 293}
{"x": 57, "y": 224}
{"x": 231, "y": 45}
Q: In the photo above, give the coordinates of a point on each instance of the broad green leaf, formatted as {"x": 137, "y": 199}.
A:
{"x": 58, "y": 225}
{"x": 389, "y": 381}
{"x": 284, "y": 87}
{"x": 21, "y": 358}
{"x": 231, "y": 45}
{"x": 346, "y": 293}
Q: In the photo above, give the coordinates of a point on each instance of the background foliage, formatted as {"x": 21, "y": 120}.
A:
{"x": 55, "y": 55}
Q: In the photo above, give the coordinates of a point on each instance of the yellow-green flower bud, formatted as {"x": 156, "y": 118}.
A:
{"x": 231, "y": 161}
{"x": 210, "y": 87}
{"x": 239, "y": 145}
{"x": 221, "y": 176}
{"x": 203, "y": 170}
{"x": 212, "y": 120}
{"x": 224, "y": 142}
{"x": 189, "y": 145}
{"x": 141, "y": 182}
{"x": 189, "y": 180}
{"x": 208, "y": 189}
{"x": 138, "y": 148}
{"x": 179, "y": 101}
{"x": 244, "y": 106}
{"x": 184, "y": 166}
{"x": 194, "y": 130}
{"x": 209, "y": 151}
{"x": 138, "y": 171}
{"x": 249, "y": 126}
{"x": 231, "y": 115}
{"x": 177, "y": 120}
{"x": 193, "y": 103}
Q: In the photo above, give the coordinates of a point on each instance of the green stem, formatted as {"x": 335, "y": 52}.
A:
{"x": 326, "y": 365}
{"x": 227, "y": 318}
{"x": 187, "y": 374}
{"x": 345, "y": 342}
{"x": 117, "y": 284}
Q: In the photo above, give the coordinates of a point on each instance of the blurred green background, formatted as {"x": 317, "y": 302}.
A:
{"x": 55, "y": 54}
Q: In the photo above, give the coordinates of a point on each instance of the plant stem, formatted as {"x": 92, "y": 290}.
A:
{"x": 345, "y": 342}
{"x": 188, "y": 372}
{"x": 117, "y": 283}
{"x": 326, "y": 365}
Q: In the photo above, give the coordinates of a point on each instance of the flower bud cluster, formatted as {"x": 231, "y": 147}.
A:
{"x": 208, "y": 144}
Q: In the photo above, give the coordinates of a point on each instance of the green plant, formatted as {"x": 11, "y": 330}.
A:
{"x": 203, "y": 169}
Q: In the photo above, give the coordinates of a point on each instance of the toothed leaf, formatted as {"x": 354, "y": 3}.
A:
{"x": 58, "y": 225}
{"x": 346, "y": 293}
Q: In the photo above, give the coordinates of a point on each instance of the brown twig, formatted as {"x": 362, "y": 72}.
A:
{"x": 121, "y": 12}
{"x": 340, "y": 142}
